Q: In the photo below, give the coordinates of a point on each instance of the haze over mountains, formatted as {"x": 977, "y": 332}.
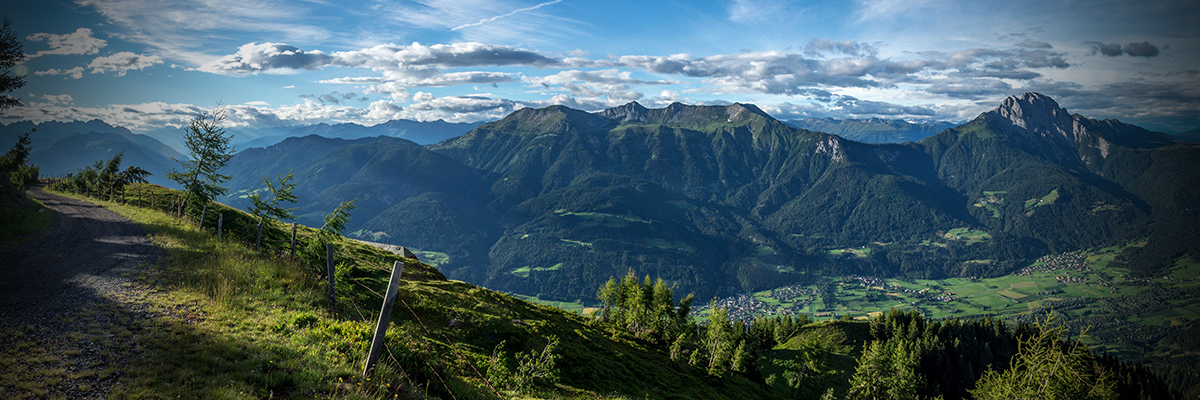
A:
{"x": 719, "y": 199}
{"x": 873, "y": 130}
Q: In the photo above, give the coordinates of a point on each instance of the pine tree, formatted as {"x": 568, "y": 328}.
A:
{"x": 11, "y": 54}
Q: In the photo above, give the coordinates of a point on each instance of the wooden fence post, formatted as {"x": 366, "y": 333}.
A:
{"x": 258, "y": 239}
{"x": 220, "y": 222}
{"x": 332, "y": 277}
{"x": 384, "y": 316}
{"x": 202, "y": 215}
{"x": 293, "y": 254}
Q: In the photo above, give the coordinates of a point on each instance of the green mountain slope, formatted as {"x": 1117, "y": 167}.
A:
{"x": 411, "y": 188}
{"x": 229, "y": 321}
{"x": 720, "y": 199}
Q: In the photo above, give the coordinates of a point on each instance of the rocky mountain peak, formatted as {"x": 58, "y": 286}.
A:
{"x": 1032, "y": 111}
{"x": 630, "y": 112}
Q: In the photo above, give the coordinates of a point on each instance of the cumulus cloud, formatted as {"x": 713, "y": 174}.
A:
{"x": 471, "y": 54}
{"x": 75, "y": 73}
{"x": 58, "y": 98}
{"x": 1143, "y": 49}
{"x": 417, "y": 62}
{"x": 267, "y": 57}
{"x": 133, "y": 116}
{"x": 187, "y": 29}
{"x": 969, "y": 88}
{"x": 333, "y": 97}
{"x": 382, "y": 111}
{"x": 434, "y": 78}
{"x": 123, "y": 62}
{"x": 1004, "y": 60}
{"x": 79, "y": 42}
{"x": 767, "y": 72}
{"x": 610, "y": 83}
{"x": 393, "y": 89}
{"x": 847, "y": 47}
{"x": 427, "y": 107}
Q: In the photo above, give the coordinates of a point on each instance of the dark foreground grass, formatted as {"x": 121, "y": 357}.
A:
{"x": 24, "y": 223}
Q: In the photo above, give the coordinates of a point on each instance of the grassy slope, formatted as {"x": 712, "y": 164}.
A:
{"x": 239, "y": 323}
{"x": 20, "y": 215}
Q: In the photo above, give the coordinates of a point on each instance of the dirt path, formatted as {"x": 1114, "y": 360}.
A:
{"x": 70, "y": 310}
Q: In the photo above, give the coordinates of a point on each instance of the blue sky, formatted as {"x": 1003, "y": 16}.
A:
{"x": 145, "y": 64}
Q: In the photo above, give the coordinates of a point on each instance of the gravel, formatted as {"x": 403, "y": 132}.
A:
{"x": 71, "y": 308}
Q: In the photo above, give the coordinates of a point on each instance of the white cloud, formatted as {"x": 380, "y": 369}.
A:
{"x": 75, "y": 73}
{"x": 133, "y": 116}
{"x": 391, "y": 57}
{"x": 394, "y": 89}
{"x": 480, "y": 107}
{"x": 58, "y": 98}
{"x": 181, "y": 29}
{"x": 416, "y": 62}
{"x": 268, "y": 58}
{"x": 123, "y": 62}
{"x": 383, "y": 111}
{"x": 79, "y": 42}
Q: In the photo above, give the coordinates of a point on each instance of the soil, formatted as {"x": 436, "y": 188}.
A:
{"x": 71, "y": 311}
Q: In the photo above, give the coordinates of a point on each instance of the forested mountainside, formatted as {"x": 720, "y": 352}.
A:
{"x": 720, "y": 199}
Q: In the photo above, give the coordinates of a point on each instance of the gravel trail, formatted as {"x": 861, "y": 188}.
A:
{"x": 71, "y": 310}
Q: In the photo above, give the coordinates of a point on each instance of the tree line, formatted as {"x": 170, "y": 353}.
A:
{"x": 897, "y": 355}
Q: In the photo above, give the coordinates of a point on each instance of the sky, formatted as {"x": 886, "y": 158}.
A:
{"x": 149, "y": 64}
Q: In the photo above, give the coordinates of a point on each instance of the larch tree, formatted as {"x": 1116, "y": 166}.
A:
{"x": 209, "y": 147}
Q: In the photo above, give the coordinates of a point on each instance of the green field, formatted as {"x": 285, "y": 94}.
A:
{"x": 524, "y": 271}
{"x": 591, "y": 219}
{"x": 990, "y": 200}
{"x": 861, "y": 252}
{"x": 573, "y": 306}
{"x": 665, "y": 244}
{"x": 1043, "y": 201}
{"x": 971, "y": 236}
{"x": 1005, "y": 296}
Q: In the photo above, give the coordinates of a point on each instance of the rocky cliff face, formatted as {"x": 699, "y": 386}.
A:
{"x": 1040, "y": 126}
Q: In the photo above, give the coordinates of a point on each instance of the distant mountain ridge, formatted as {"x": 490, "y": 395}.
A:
{"x": 60, "y": 148}
{"x": 719, "y": 199}
{"x": 65, "y": 147}
{"x": 427, "y": 132}
{"x": 873, "y": 130}
{"x": 1188, "y": 136}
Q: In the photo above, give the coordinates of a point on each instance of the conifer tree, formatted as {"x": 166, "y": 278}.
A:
{"x": 209, "y": 148}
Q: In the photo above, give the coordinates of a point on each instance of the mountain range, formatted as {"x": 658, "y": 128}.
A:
{"x": 873, "y": 130}
{"x": 721, "y": 199}
{"x": 64, "y": 147}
